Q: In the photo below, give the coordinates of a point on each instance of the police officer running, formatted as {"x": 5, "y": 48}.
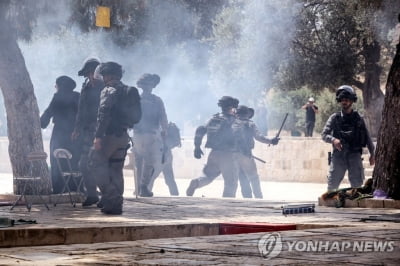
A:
{"x": 348, "y": 134}
{"x": 111, "y": 138}
{"x": 220, "y": 139}
{"x": 85, "y": 125}
{"x": 246, "y": 131}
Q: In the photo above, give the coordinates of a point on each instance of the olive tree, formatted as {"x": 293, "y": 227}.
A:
{"x": 342, "y": 42}
{"x": 386, "y": 173}
{"x": 24, "y": 133}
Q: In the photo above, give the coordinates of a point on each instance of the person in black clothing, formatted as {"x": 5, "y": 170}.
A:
{"x": 85, "y": 125}
{"x": 311, "y": 110}
{"x": 62, "y": 110}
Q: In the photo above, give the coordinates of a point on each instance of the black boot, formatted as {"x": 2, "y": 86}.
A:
{"x": 90, "y": 201}
{"x": 145, "y": 192}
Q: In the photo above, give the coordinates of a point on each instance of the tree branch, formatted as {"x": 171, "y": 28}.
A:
{"x": 358, "y": 84}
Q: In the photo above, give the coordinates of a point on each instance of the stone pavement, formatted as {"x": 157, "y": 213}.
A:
{"x": 283, "y": 191}
{"x": 185, "y": 231}
{"x": 222, "y": 250}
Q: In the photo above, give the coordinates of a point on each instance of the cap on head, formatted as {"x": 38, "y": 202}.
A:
{"x": 147, "y": 79}
{"x": 347, "y": 92}
{"x": 111, "y": 69}
{"x": 65, "y": 83}
{"x": 88, "y": 67}
{"x": 228, "y": 102}
{"x": 311, "y": 99}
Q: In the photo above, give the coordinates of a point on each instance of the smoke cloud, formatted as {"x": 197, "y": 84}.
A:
{"x": 194, "y": 74}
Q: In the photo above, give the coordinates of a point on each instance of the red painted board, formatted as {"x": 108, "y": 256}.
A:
{"x": 245, "y": 228}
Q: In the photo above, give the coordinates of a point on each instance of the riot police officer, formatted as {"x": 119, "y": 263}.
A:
{"x": 245, "y": 131}
{"x": 111, "y": 138}
{"x": 221, "y": 140}
{"x": 149, "y": 134}
{"x": 347, "y": 133}
{"x": 85, "y": 124}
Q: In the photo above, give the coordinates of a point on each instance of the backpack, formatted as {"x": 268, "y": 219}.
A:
{"x": 173, "y": 136}
{"x": 128, "y": 110}
{"x": 220, "y": 133}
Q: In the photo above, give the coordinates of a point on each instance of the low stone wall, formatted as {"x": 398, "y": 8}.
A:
{"x": 296, "y": 159}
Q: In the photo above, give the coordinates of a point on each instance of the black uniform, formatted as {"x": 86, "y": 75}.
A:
{"x": 86, "y": 125}
{"x": 62, "y": 109}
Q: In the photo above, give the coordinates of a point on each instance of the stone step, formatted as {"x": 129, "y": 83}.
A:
{"x": 96, "y": 234}
{"x": 368, "y": 172}
{"x": 363, "y": 203}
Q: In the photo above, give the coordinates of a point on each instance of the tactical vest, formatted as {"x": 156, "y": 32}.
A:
{"x": 244, "y": 136}
{"x": 220, "y": 134}
{"x": 151, "y": 118}
{"x": 351, "y": 131}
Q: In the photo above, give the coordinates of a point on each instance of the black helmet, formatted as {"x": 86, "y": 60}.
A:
{"x": 345, "y": 91}
{"x": 251, "y": 112}
{"x": 65, "y": 83}
{"x": 110, "y": 68}
{"x": 228, "y": 101}
{"x": 242, "y": 111}
{"x": 89, "y": 66}
{"x": 245, "y": 112}
{"x": 150, "y": 79}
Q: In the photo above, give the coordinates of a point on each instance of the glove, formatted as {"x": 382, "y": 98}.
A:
{"x": 198, "y": 153}
{"x": 275, "y": 141}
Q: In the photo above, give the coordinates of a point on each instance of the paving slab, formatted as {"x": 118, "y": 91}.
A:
{"x": 222, "y": 250}
{"x": 184, "y": 230}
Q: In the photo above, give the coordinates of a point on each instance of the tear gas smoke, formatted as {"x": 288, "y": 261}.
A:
{"x": 189, "y": 87}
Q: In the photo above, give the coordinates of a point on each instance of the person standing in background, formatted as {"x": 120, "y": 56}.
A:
{"x": 311, "y": 110}
{"x": 85, "y": 125}
{"x": 149, "y": 134}
{"x": 62, "y": 110}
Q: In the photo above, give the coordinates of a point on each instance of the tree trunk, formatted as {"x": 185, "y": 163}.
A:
{"x": 372, "y": 94}
{"x": 386, "y": 174}
{"x": 24, "y": 133}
